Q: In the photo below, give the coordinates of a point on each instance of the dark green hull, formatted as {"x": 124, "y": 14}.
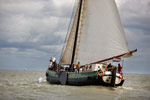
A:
{"x": 65, "y": 78}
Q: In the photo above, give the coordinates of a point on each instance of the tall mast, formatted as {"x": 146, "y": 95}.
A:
{"x": 76, "y": 35}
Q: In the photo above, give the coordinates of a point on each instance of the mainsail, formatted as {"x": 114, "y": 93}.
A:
{"x": 100, "y": 34}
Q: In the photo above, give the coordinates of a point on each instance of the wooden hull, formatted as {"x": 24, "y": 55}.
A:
{"x": 89, "y": 78}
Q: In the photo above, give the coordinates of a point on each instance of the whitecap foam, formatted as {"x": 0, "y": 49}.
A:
{"x": 128, "y": 88}
{"x": 42, "y": 79}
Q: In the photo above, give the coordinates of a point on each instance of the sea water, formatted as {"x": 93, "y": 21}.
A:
{"x": 32, "y": 85}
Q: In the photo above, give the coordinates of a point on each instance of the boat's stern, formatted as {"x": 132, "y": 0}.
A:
{"x": 107, "y": 78}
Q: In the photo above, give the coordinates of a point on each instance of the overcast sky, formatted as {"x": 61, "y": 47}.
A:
{"x": 31, "y": 31}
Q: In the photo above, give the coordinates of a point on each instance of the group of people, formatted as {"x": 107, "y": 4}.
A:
{"x": 110, "y": 67}
{"x": 54, "y": 66}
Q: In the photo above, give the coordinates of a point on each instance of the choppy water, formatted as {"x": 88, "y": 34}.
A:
{"x": 31, "y": 85}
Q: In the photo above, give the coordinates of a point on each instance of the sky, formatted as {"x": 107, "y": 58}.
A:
{"x": 32, "y": 31}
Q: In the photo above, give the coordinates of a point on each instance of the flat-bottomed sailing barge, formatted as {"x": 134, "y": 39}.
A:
{"x": 96, "y": 38}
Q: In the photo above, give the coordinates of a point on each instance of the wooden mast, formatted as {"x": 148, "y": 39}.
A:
{"x": 76, "y": 36}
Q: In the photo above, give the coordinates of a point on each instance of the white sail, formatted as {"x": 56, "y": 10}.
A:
{"x": 100, "y": 35}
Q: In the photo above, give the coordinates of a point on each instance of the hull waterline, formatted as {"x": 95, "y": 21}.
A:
{"x": 80, "y": 79}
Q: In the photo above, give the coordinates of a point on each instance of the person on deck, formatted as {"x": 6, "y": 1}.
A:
{"x": 51, "y": 63}
{"x": 119, "y": 68}
{"x": 78, "y": 67}
{"x": 55, "y": 66}
{"x": 109, "y": 67}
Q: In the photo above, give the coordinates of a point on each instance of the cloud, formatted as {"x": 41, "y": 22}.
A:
{"x": 18, "y": 52}
{"x": 32, "y": 29}
{"x": 4, "y": 51}
{"x": 33, "y": 21}
{"x": 135, "y": 16}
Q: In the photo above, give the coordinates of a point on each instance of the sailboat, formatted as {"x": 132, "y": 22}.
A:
{"x": 96, "y": 38}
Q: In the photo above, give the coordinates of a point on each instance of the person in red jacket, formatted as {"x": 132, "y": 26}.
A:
{"x": 119, "y": 68}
